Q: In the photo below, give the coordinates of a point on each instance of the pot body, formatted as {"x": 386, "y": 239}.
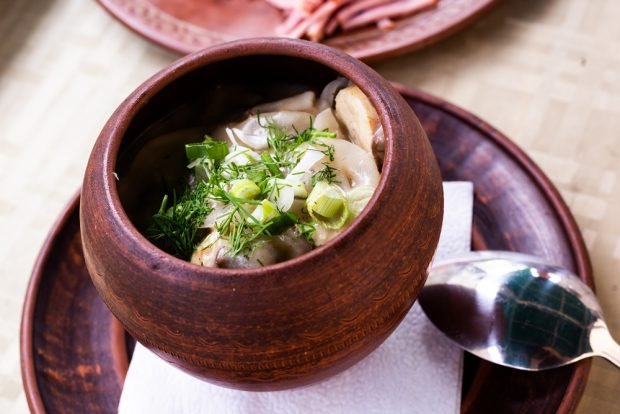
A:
{"x": 283, "y": 325}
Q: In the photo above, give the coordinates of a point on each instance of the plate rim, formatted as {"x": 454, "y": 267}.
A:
{"x": 147, "y": 32}
{"x": 26, "y": 334}
{"x": 548, "y": 190}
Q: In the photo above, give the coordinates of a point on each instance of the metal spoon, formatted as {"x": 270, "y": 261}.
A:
{"x": 517, "y": 310}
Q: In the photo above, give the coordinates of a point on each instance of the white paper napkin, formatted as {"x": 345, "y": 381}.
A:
{"x": 416, "y": 370}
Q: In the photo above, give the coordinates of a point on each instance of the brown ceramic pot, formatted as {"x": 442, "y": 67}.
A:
{"x": 282, "y": 325}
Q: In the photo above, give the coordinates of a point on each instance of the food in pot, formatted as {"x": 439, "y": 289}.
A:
{"x": 288, "y": 177}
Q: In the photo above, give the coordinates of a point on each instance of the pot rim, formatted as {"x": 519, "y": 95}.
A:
{"x": 380, "y": 93}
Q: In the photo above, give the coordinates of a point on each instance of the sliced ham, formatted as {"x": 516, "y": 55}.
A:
{"x": 315, "y": 19}
{"x": 393, "y": 9}
{"x": 306, "y": 5}
{"x": 386, "y": 24}
{"x": 356, "y": 7}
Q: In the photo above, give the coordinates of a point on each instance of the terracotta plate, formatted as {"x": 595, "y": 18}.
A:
{"x": 188, "y": 25}
{"x": 75, "y": 355}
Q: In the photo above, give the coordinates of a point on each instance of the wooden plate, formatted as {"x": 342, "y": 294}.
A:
{"x": 75, "y": 354}
{"x": 185, "y": 26}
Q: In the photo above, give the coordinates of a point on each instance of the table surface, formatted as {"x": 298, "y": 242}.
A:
{"x": 546, "y": 73}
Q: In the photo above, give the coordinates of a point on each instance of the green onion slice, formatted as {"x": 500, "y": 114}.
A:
{"x": 215, "y": 150}
{"x": 245, "y": 189}
{"x": 298, "y": 187}
{"x": 358, "y": 197}
{"x": 268, "y": 212}
{"x": 327, "y": 205}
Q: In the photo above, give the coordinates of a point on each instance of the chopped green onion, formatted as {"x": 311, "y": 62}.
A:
{"x": 323, "y": 134}
{"x": 327, "y": 205}
{"x": 215, "y": 150}
{"x": 358, "y": 197}
{"x": 276, "y": 222}
{"x": 245, "y": 189}
{"x": 268, "y": 210}
{"x": 298, "y": 187}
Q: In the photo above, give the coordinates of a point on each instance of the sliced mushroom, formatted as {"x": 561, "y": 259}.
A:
{"x": 328, "y": 95}
{"x": 359, "y": 117}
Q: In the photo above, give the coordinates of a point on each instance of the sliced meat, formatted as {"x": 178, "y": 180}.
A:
{"x": 393, "y": 9}
{"x": 315, "y": 19}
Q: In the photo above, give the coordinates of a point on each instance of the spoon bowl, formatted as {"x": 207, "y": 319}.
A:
{"x": 517, "y": 310}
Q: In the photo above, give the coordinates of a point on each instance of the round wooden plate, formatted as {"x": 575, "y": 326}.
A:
{"x": 185, "y": 26}
{"x": 75, "y": 354}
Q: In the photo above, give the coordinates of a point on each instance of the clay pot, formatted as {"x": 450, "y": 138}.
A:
{"x": 282, "y": 325}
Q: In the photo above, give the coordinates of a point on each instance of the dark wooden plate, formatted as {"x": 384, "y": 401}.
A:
{"x": 75, "y": 354}
{"x": 185, "y": 26}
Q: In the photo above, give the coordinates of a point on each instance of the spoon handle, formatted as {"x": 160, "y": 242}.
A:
{"x": 603, "y": 344}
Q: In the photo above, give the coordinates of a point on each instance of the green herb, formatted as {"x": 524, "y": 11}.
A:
{"x": 328, "y": 173}
{"x": 271, "y": 164}
{"x": 209, "y": 148}
{"x": 174, "y": 228}
{"x": 281, "y": 223}
{"x": 244, "y": 186}
{"x": 283, "y": 143}
{"x": 328, "y": 150}
{"x": 305, "y": 230}
{"x": 240, "y": 227}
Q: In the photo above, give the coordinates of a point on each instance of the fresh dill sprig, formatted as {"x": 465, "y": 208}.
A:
{"x": 327, "y": 149}
{"x": 328, "y": 174}
{"x": 283, "y": 143}
{"x": 174, "y": 228}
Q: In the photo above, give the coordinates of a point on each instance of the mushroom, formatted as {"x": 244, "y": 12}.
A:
{"x": 328, "y": 95}
{"x": 359, "y": 117}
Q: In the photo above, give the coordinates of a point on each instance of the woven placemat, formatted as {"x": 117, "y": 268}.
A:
{"x": 545, "y": 73}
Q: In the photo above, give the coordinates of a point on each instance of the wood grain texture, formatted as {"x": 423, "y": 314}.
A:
{"x": 70, "y": 339}
{"x": 186, "y": 26}
{"x": 278, "y": 326}
{"x": 486, "y": 388}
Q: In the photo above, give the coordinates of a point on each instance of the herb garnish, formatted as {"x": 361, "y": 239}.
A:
{"x": 174, "y": 228}
{"x": 328, "y": 173}
{"x": 258, "y": 176}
